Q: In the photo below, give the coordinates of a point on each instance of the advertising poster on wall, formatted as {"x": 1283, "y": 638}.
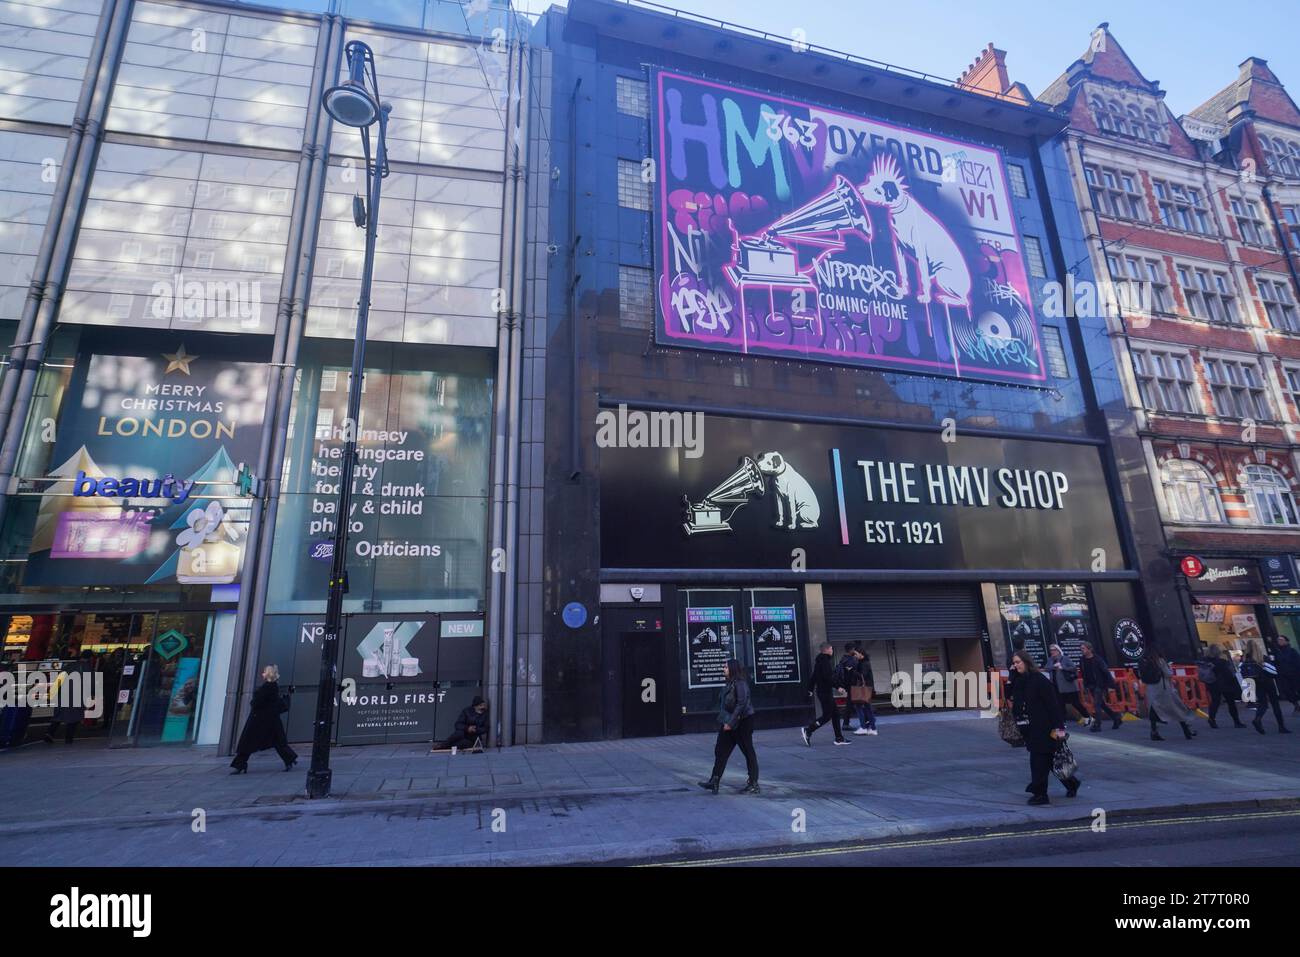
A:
{"x": 148, "y": 446}
{"x": 1069, "y": 621}
{"x": 775, "y": 638}
{"x": 710, "y": 643}
{"x": 419, "y": 510}
{"x": 393, "y": 660}
{"x": 1022, "y": 620}
{"x": 787, "y": 229}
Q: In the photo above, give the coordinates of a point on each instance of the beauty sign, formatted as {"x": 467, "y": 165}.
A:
{"x": 787, "y": 229}
{"x": 141, "y": 486}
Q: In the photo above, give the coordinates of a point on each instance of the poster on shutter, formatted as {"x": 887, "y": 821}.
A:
{"x": 776, "y": 644}
{"x": 709, "y": 644}
{"x": 1023, "y": 621}
{"x": 1068, "y": 619}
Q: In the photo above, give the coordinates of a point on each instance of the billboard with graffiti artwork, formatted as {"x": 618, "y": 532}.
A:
{"x": 790, "y": 230}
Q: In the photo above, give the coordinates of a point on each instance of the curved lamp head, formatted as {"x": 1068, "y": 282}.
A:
{"x": 350, "y": 103}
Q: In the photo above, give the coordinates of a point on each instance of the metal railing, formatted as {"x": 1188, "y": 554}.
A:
{"x": 805, "y": 46}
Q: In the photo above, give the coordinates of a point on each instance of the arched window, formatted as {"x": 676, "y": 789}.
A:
{"x": 1191, "y": 493}
{"x": 1100, "y": 114}
{"x": 1274, "y": 154}
{"x": 1139, "y": 128}
{"x": 1156, "y": 126}
{"x": 1270, "y": 497}
{"x": 1293, "y": 149}
{"x": 1121, "y": 124}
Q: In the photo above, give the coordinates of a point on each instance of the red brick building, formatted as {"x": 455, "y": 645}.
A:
{"x": 1193, "y": 226}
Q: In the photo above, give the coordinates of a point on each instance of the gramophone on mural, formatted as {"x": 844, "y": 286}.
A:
{"x": 706, "y": 514}
{"x": 767, "y": 261}
{"x": 796, "y": 502}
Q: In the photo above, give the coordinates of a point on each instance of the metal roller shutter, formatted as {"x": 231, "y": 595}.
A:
{"x": 877, "y": 612}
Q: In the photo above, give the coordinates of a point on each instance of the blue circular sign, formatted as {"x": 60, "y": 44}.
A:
{"x": 575, "y": 614}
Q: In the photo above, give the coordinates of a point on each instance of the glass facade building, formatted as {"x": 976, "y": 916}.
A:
{"x": 179, "y": 304}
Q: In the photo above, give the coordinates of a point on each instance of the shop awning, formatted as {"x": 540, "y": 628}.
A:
{"x": 1230, "y": 598}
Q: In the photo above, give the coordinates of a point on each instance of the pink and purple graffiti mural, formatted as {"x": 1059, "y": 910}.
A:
{"x": 790, "y": 230}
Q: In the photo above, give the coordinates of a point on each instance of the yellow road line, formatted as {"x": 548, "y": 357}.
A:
{"x": 970, "y": 839}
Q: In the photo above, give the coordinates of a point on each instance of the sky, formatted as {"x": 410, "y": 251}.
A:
{"x": 1191, "y": 47}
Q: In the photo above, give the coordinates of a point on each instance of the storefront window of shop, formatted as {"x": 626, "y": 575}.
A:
{"x": 125, "y": 538}
{"x": 1271, "y": 499}
{"x": 418, "y": 526}
{"x": 1231, "y": 626}
{"x": 1191, "y": 494}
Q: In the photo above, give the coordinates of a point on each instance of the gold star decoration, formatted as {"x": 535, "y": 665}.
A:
{"x": 178, "y": 360}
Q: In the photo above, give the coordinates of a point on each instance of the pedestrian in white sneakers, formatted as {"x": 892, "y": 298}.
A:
{"x": 862, "y": 691}
{"x": 821, "y": 685}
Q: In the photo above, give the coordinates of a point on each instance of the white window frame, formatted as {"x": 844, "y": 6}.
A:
{"x": 1208, "y": 294}
{"x": 1279, "y": 305}
{"x": 1269, "y": 495}
{"x": 1238, "y": 387}
{"x": 1182, "y": 207}
{"x": 1191, "y": 494}
{"x": 1115, "y": 193}
{"x": 1250, "y": 223}
{"x": 1166, "y": 379}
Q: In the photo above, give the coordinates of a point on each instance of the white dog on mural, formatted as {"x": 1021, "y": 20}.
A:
{"x": 917, "y": 232}
{"x": 794, "y": 493}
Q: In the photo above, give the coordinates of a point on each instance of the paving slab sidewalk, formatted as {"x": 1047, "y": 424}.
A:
{"x": 600, "y": 801}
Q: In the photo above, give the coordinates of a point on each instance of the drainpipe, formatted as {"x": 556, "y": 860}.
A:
{"x": 299, "y": 257}
{"x": 519, "y": 185}
{"x": 575, "y": 393}
{"x": 1281, "y": 241}
{"x": 498, "y": 663}
{"x": 57, "y": 242}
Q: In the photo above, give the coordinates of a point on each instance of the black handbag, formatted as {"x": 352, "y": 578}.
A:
{"x": 284, "y": 703}
{"x": 1064, "y": 764}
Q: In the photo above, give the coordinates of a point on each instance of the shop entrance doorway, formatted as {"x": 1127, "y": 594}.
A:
{"x": 643, "y": 683}
{"x": 148, "y": 671}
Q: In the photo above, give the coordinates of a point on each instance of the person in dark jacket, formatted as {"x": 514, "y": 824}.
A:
{"x": 1013, "y": 676}
{"x": 863, "y": 678}
{"x": 264, "y": 729}
{"x": 1098, "y": 680}
{"x": 1264, "y": 673}
{"x": 821, "y": 684}
{"x": 1224, "y": 687}
{"x": 1288, "y": 672}
{"x": 470, "y": 726}
{"x": 735, "y": 727}
{"x": 844, "y": 676}
{"x": 1065, "y": 678}
{"x": 1041, "y": 719}
{"x": 70, "y": 714}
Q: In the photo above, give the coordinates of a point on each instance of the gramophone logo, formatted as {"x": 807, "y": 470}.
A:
{"x": 796, "y": 502}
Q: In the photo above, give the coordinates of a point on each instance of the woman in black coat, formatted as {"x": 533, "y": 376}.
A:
{"x": 1041, "y": 719}
{"x": 263, "y": 728}
{"x": 736, "y": 727}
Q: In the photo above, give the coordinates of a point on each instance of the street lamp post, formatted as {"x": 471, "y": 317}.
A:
{"x": 355, "y": 103}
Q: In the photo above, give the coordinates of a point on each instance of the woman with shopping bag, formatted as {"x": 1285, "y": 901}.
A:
{"x": 1041, "y": 720}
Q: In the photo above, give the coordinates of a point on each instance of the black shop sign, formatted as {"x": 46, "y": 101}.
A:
{"x": 752, "y": 493}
